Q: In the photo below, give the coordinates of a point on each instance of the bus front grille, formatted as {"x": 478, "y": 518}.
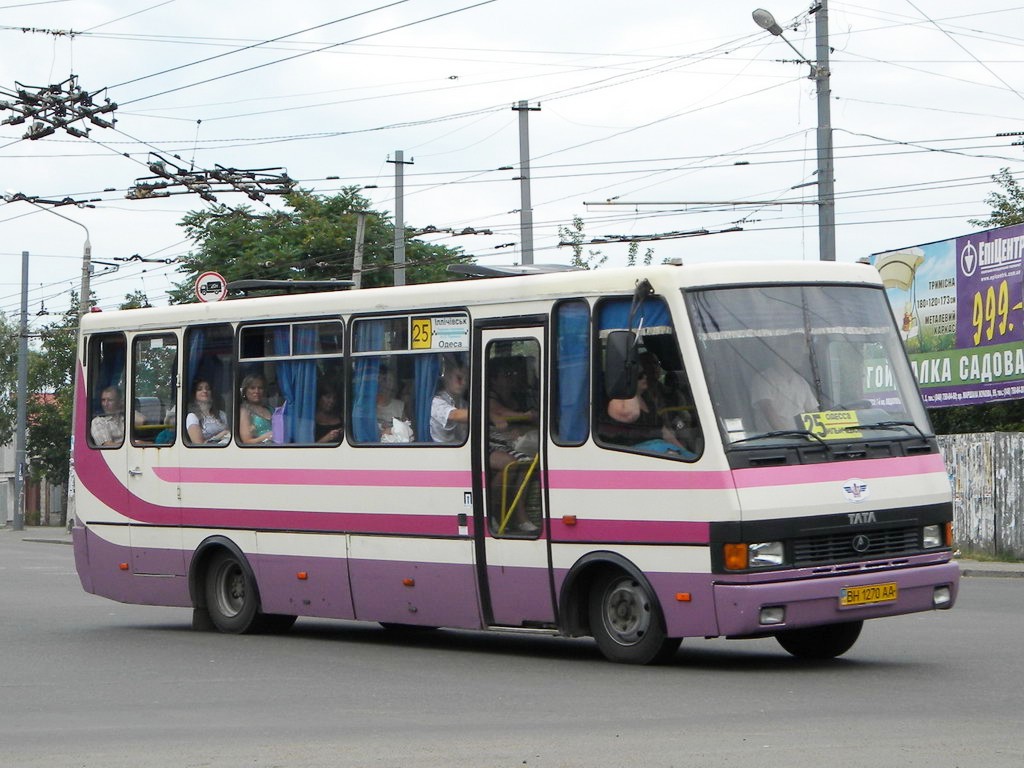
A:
{"x": 862, "y": 545}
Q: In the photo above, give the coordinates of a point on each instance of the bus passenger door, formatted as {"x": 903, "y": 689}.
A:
{"x": 151, "y": 451}
{"x": 511, "y": 521}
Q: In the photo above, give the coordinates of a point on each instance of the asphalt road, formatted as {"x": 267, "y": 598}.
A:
{"x": 89, "y": 682}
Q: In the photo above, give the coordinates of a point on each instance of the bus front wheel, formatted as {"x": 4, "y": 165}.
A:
{"x": 231, "y": 596}
{"x": 825, "y": 642}
{"x": 626, "y": 622}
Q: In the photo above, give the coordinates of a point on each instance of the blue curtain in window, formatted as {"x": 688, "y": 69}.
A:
{"x": 297, "y": 380}
{"x": 196, "y": 344}
{"x": 614, "y": 315}
{"x": 428, "y": 374}
{"x": 302, "y": 417}
{"x": 364, "y": 400}
{"x": 573, "y": 371}
{"x": 370, "y": 336}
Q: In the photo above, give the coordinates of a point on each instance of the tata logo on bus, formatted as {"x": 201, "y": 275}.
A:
{"x": 856, "y": 491}
{"x": 211, "y": 286}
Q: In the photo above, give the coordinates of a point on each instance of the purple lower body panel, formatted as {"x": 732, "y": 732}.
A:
{"x": 816, "y": 601}
{"x": 105, "y": 569}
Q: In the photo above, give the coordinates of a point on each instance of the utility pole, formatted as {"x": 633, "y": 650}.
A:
{"x": 18, "y": 523}
{"x": 820, "y": 74}
{"x": 399, "y": 162}
{"x": 826, "y": 172}
{"x": 525, "y": 206}
{"x": 357, "y": 258}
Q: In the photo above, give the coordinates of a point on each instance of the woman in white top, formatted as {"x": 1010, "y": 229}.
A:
{"x": 204, "y": 423}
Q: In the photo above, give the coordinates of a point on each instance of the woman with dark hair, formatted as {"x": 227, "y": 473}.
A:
{"x": 328, "y": 427}
{"x": 204, "y": 423}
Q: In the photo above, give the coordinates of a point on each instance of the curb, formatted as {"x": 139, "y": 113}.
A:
{"x": 991, "y": 574}
{"x": 49, "y": 541}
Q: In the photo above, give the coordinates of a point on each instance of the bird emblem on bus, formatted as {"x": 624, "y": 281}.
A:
{"x": 855, "y": 490}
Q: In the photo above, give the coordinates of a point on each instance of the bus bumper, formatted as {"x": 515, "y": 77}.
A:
{"x": 759, "y": 608}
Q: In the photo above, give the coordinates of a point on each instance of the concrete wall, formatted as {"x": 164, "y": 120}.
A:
{"x": 987, "y": 475}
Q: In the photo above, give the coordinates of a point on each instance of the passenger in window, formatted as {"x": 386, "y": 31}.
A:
{"x": 653, "y": 417}
{"x": 166, "y": 435}
{"x": 779, "y": 393}
{"x": 107, "y": 429}
{"x": 449, "y": 412}
{"x": 254, "y": 422}
{"x": 205, "y": 423}
{"x": 328, "y": 427}
{"x": 513, "y": 432}
{"x": 389, "y": 407}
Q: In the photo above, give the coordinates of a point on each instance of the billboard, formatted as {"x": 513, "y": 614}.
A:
{"x": 959, "y": 304}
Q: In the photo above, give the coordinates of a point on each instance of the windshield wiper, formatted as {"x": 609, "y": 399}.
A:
{"x": 887, "y": 425}
{"x": 785, "y": 433}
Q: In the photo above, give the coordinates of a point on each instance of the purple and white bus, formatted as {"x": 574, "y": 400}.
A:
{"x": 637, "y": 455}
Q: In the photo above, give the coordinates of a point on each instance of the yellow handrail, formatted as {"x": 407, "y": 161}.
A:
{"x": 507, "y": 513}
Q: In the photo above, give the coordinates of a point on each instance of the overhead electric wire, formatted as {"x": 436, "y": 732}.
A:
{"x": 308, "y": 53}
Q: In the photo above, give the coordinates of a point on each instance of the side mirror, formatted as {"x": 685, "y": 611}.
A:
{"x": 621, "y": 366}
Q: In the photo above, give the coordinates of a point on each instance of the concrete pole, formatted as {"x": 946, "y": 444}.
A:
{"x": 400, "y": 162}
{"x": 357, "y": 258}
{"x": 525, "y": 206}
{"x": 22, "y": 409}
{"x": 826, "y": 172}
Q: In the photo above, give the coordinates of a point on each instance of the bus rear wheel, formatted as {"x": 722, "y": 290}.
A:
{"x": 231, "y": 596}
{"x": 626, "y": 622}
{"x": 825, "y": 642}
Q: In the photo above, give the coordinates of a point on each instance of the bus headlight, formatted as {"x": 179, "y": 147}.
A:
{"x": 932, "y": 536}
{"x": 764, "y": 554}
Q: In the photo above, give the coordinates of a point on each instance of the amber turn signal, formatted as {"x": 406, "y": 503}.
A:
{"x": 735, "y": 556}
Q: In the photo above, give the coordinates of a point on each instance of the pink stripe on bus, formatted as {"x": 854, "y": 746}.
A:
{"x": 803, "y": 474}
{"x": 646, "y": 531}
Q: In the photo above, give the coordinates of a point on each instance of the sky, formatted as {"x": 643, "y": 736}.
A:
{"x": 688, "y": 116}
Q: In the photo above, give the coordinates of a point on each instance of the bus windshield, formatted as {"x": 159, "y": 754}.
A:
{"x": 805, "y": 362}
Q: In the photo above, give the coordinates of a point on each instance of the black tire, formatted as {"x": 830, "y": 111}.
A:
{"x": 626, "y": 621}
{"x": 231, "y": 596}
{"x": 825, "y": 642}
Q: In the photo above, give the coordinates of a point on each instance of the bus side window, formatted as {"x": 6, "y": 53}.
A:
{"x": 105, "y": 401}
{"x": 660, "y": 419}
{"x": 154, "y": 389}
{"x": 570, "y": 422}
{"x": 287, "y": 373}
{"x": 206, "y": 398}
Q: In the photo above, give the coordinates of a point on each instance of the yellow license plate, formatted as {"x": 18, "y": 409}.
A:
{"x": 868, "y": 594}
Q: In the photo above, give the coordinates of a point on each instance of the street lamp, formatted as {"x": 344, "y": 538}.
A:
{"x": 83, "y": 307}
{"x": 820, "y": 74}
{"x": 83, "y": 298}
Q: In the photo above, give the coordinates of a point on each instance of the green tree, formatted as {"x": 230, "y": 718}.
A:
{"x": 135, "y": 300}
{"x": 575, "y": 236}
{"x": 51, "y": 381}
{"x": 1007, "y": 206}
{"x": 313, "y": 239}
{"x": 8, "y": 378}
